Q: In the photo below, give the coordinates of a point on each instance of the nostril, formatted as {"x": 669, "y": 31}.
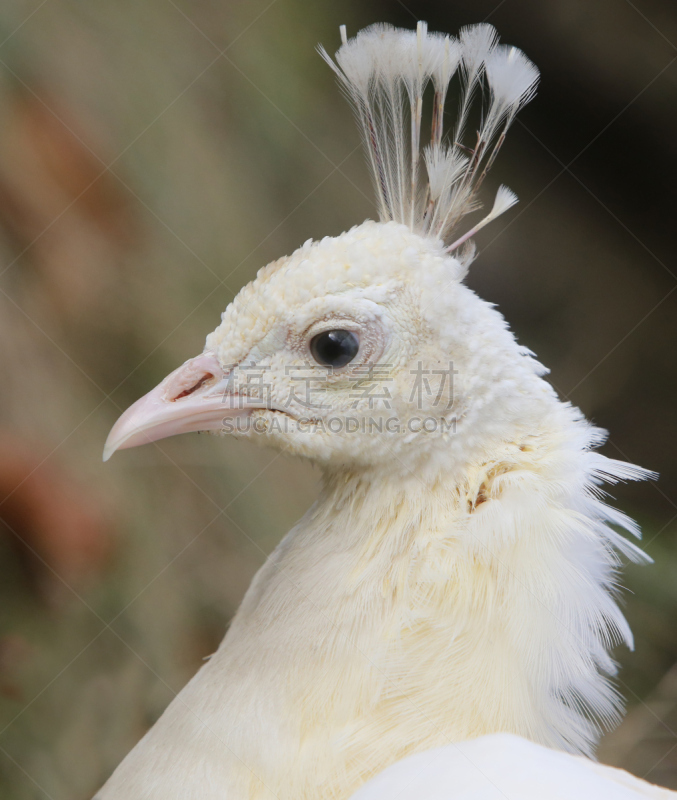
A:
{"x": 191, "y": 377}
{"x": 194, "y": 387}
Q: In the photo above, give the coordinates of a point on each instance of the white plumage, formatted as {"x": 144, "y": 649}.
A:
{"x": 378, "y": 64}
{"x": 456, "y": 577}
{"x": 505, "y": 767}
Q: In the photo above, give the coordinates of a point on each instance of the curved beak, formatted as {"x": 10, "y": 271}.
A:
{"x": 195, "y": 397}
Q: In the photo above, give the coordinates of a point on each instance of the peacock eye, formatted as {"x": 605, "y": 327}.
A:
{"x": 334, "y": 348}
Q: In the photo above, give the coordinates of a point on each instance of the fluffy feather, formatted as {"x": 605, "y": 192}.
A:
{"x": 382, "y": 67}
{"x": 449, "y": 582}
{"x": 443, "y": 587}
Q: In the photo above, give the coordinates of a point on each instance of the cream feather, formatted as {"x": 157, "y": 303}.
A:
{"x": 448, "y": 583}
{"x": 381, "y": 67}
{"x": 441, "y": 588}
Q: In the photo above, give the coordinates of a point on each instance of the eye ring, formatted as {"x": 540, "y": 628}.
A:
{"x": 334, "y": 348}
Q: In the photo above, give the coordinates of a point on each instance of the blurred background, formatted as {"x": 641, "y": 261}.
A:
{"x": 152, "y": 157}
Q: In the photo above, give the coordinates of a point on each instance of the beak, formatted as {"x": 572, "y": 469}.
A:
{"x": 195, "y": 397}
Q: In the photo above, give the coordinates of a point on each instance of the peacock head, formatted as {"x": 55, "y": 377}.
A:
{"x": 367, "y": 347}
{"x": 359, "y": 349}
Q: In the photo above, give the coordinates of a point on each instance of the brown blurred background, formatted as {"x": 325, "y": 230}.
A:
{"x": 152, "y": 157}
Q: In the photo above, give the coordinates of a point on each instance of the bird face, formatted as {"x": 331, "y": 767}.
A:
{"x": 340, "y": 353}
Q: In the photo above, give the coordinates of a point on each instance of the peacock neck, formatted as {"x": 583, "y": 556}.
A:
{"x": 405, "y": 612}
{"x": 453, "y": 579}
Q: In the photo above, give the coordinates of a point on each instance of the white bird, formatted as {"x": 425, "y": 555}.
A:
{"x": 457, "y": 575}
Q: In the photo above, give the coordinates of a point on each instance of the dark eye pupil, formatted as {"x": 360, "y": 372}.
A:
{"x": 334, "y": 348}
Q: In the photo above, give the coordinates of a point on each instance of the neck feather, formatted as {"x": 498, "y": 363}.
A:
{"x": 403, "y": 614}
{"x": 493, "y": 595}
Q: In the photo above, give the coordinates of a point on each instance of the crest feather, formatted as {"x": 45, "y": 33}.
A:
{"x": 384, "y": 71}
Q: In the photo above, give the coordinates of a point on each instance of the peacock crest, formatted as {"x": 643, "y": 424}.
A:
{"x": 385, "y": 72}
